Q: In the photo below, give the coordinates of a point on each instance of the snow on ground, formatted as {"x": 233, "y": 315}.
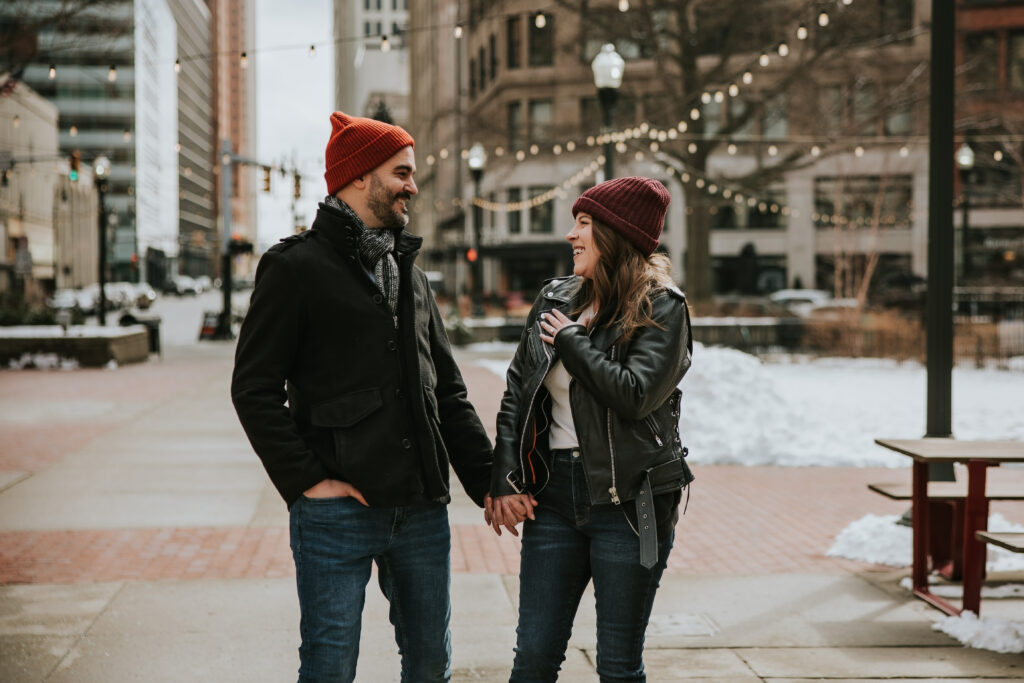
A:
{"x": 797, "y": 411}
{"x": 987, "y": 633}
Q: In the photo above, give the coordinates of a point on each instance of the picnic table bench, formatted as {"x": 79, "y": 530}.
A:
{"x": 1011, "y": 540}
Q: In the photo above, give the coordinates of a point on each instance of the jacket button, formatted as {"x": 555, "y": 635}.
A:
{"x": 378, "y": 299}
{"x": 392, "y": 345}
{"x": 406, "y": 444}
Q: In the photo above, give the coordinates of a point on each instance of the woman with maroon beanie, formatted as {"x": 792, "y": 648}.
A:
{"x": 588, "y": 450}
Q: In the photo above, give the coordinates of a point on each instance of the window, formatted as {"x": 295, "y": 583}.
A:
{"x": 367, "y": 4}
{"x": 541, "y": 216}
{"x": 981, "y": 61}
{"x": 515, "y": 125}
{"x": 864, "y": 109}
{"x": 832, "y": 107}
{"x": 515, "y": 216}
{"x": 740, "y": 109}
{"x": 899, "y": 122}
{"x": 367, "y": 28}
{"x": 1015, "y": 69}
{"x": 512, "y": 42}
{"x": 542, "y": 114}
{"x": 712, "y": 115}
{"x": 896, "y": 16}
{"x": 472, "y": 77}
{"x": 542, "y": 42}
{"x": 774, "y": 123}
{"x": 849, "y": 202}
{"x": 494, "y": 56}
{"x": 482, "y": 63}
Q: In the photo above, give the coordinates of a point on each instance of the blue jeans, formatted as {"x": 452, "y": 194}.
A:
{"x": 570, "y": 543}
{"x": 334, "y": 542}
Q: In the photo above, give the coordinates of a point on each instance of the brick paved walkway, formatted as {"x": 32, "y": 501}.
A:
{"x": 740, "y": 520}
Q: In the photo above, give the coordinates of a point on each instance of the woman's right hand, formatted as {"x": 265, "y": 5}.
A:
{"x": 508, "y": 511}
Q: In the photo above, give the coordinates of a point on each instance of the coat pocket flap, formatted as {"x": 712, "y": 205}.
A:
{"x": 346, "y": 410}
{"x": 670, "y": 475}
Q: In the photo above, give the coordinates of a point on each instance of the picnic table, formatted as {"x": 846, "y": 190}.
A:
{"x": 978, "y": 456}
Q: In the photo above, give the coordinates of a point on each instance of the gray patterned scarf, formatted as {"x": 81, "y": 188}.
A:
{"x": 376, "y": 252}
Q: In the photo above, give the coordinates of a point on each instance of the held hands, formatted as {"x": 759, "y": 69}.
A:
{"x": 508, "y": 511}
{"x": 332, "y": 488}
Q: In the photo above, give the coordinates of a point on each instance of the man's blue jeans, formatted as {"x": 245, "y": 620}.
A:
{"x": 570, "y": 543}
{"x": 334, "y": 542}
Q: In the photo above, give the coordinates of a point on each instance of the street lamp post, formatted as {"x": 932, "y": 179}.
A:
{"x": 608, "y": 67}
{"x": 477, "y": 161}
{"x": 964, "y": 162}
{"x": 101, "y": 170}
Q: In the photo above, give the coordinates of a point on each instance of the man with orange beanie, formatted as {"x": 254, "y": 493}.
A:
{"x": 346, "y": 386}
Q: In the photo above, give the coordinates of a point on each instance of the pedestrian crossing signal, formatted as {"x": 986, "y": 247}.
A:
{"x": 75, "y": 163}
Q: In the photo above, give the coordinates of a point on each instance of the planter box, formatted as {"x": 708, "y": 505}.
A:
{"x": 90, "y": 346}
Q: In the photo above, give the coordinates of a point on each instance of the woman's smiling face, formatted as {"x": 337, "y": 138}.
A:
{"x": 585, "y": 254}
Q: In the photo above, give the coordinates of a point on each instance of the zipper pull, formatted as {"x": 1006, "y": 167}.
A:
{"x": 657, "y": 440}
{"x": 615, "y": 495}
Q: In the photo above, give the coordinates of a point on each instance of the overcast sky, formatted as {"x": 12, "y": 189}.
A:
{"x": 295, "y": 98}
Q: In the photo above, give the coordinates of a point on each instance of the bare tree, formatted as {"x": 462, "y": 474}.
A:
{"x": 789, "y": 81}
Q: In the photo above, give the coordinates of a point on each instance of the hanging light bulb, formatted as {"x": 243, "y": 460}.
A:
{"x": 385, "y": 44}
{"x": 859, "y": 151}
{"x": 719, "y": 96}
{"x": 695, "y": 113}
{"x": 17, "y": 120}
{"x": 177, "y": 66}
{"x": 823, "y": 19}
{"x": 243, "y": 61}
{"x": 748, "y": 78}
{"x": 904, "y": 151}
{"x": 705, "y": 97}
{"x": 540, "y": 21}
{"x": 692, "y": 148}
{"x": 126, "y": 135}
{"x": 312, "y": 50}
{"x": 732, "y": 148}
{"x": 997, "y": 155}
{"x": 623, "y": 5}
{"x": 783, "y": 49}
{"x": 847, "y": 2}
{"x": 458, "y": 31}
{"x": 112, "y": 74}
{"x": 772, "y": 150}
{"x": 734, "y": 90}
{"x": 53, "y": 71}
{"x": 73, "y": 131}
{"x": 801, "y": 32}
{"x": 763, "y": 59}
{"x": 815, "y": 151}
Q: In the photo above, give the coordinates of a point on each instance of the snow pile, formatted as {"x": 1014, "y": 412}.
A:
{"x": 42, "y": 361}
{"x": 988, "y": 633}
{"x": 879, "y": 540}
{"x": 797, "y": 411}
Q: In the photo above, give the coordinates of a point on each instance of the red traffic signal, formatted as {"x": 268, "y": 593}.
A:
{"x": 471, "y": 255}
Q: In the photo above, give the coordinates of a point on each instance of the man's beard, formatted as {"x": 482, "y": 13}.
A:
{"x": 382, "y": 204}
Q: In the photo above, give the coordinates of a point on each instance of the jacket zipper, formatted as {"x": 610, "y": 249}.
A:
{"x": 649, "y": 421}
{"x": 613, "y": 491}
{"x": 529, "y": 410}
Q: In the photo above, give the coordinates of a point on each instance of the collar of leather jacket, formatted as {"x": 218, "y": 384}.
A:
{"x": 560, "y": 293}
{"x": 344, "y": 236}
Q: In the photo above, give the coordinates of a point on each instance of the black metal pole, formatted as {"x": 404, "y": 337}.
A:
{"x": 965, "y": 198}
{"x": 224, "y": 321}
{"x": 478, "y": 269}
{"x": 608, "y": 98}
{"x": 939, "y": 304}
{"x": 101, "y": 304}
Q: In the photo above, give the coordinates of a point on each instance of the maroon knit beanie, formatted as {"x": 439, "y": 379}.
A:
{"x": 633, "y": 207}
{"x": 357, "y": 146}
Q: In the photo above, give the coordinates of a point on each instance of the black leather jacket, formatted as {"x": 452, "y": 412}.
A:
{"x": 625, "y": 401}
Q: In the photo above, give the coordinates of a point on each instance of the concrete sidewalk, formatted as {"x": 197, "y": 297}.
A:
{"x": 141, "y": 541}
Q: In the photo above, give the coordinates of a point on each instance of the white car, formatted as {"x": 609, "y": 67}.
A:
{"x": 801, "y": 301}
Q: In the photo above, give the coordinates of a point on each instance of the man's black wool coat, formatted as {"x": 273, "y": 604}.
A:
{"x": 384, "y": 409}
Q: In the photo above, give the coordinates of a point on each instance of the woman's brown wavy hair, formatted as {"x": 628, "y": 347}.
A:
{"x": 624, "y": 282}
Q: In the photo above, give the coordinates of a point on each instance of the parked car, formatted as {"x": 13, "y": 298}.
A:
{"x": 184, "y": 285}
{"x": 801, "y": 301}
{"x": 204, "y": 282}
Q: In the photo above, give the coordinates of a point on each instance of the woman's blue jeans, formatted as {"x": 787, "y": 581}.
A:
{"x": 570, "y": 543}
{"x": 334, "y": 542}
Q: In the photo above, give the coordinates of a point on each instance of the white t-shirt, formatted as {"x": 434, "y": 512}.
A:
{"x": 563, "y": 432}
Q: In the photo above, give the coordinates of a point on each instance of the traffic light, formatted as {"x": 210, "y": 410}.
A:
{"x": 266, "y": 179}
{"x": 239, "y": 245}
{"x": 471, "y": 255}
{"x": 297, "y": 192}
{"x": 75, "y": 162}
